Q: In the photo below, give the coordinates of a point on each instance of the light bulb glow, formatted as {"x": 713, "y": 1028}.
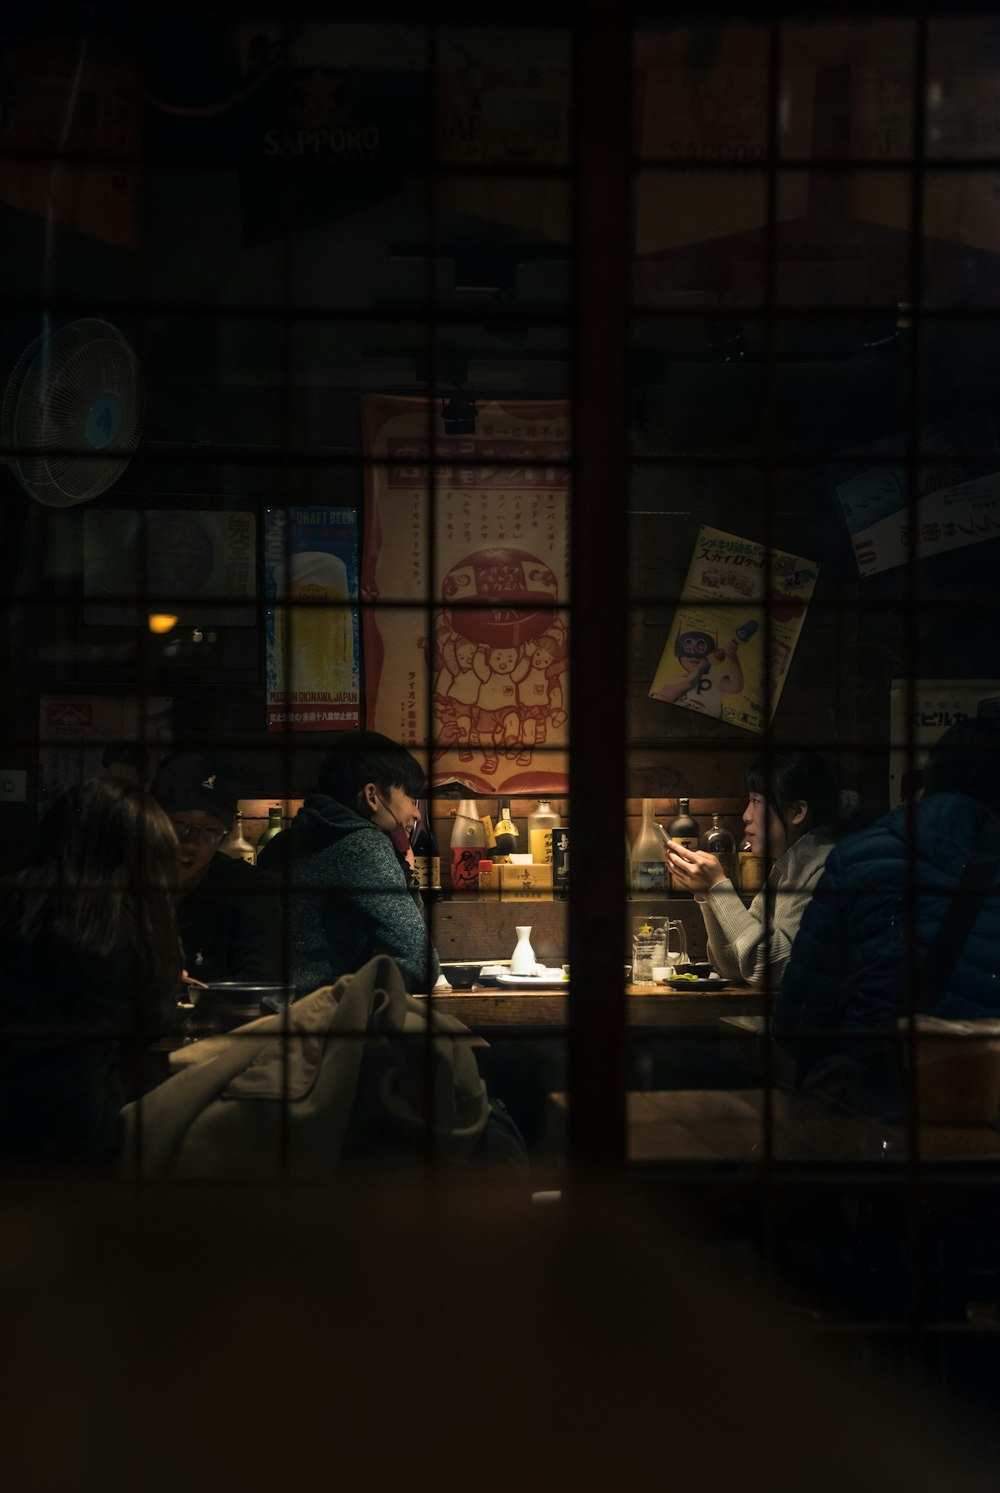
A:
{"x": 161, "y": 622}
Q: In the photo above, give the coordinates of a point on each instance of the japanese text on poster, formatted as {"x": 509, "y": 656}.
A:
{"x": 489, "y": 646}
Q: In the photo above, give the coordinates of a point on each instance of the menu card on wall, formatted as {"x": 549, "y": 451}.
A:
{"x": 714, "y": 660}
{"x": 74, "y": 730}
{"x": 923, "y": 713}
{"x": 313, "y": 662}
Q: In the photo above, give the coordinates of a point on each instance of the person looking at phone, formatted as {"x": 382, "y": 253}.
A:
{"x": 792, "y": 802}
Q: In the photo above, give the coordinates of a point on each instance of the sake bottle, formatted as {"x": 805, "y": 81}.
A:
{"x": 274, "y": 827}
{"x": 541, "y": 822}
{"x": 753, "y": 869}
{"x": 683, "y": 828}
{"x": 649, "y": 871}
{"x": 720, "y": 843}
{"x": 236, "y": 844}
{"x": 504, "y": 832}
{"x": 468, "y": 841}
{"x": 426, "y": 858}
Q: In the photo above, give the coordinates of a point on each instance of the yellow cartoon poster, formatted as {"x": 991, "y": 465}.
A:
{"x": 734, "y": 612}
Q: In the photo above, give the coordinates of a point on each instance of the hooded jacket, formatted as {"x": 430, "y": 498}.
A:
{"x": 851, "y": 967}
{"x": 347, "y": 898}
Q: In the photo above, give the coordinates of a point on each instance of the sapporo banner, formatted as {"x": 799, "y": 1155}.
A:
{"x": 714, "y": 660}
{"x": 311, "y": 627}
{"x": 479, "y": 671}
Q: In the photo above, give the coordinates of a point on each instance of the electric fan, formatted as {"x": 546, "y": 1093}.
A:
{"x": 71, "y": 412}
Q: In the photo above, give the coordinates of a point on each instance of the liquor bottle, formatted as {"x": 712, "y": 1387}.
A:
{"x": 541, "y": 822}
{"x": 683, "y": 828}
{"x": 426, "y": 857}
{"x": 504, "y": 832}
{"x": 236, "y": 845}
{"x": 274, "y": 827}
{"x": 649, "y": 870}
{"x": 468, "y": 841}
{"x": 753, "y": 869}
{"x": 720, "y": 843}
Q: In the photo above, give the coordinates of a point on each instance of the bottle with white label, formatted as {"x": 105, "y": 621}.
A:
{"x": 468, "y": 846}
{"x": 541, "y": 822}
{"x": 649, "y": 869}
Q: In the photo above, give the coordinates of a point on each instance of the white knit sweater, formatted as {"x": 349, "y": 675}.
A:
{"x": 754, "y": 943}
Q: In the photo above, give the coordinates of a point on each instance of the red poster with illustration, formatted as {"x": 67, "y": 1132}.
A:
{"x": 466, "y": 653}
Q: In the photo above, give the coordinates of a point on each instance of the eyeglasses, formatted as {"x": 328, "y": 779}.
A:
{"x": 186, "y": 832}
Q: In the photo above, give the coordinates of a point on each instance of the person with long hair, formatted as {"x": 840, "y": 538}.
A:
{"x": 91, "y": 967}
{"x": 792, "y": 800}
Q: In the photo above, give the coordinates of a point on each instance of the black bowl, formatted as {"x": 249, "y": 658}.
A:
{"x": 461, "y": 975}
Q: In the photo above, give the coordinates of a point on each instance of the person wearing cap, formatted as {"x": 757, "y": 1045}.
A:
{"x": 856, "y": 964}
{"x": 228, "y": 924}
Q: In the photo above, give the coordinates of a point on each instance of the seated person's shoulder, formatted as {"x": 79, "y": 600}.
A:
{"x": 227, "y": 874}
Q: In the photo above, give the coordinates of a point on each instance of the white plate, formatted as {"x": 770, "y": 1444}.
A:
{"x": 551, "y": 980}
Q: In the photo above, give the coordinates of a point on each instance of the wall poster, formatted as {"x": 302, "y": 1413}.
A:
{"x": 313, "y": 659}
{"x": 200, "y": 564}
{"x": 489, "y": 643}
{"x": 73, "y": 731}
{"x": 937, "y": 704}
{"x": 713, "y": 661}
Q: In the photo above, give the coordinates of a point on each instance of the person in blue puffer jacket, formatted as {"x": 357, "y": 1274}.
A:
{"x": 868, "y": 929}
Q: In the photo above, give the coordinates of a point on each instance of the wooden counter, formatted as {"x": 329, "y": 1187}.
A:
{"x": 649, "y": 1008}
{"x": 712, "y": 1125}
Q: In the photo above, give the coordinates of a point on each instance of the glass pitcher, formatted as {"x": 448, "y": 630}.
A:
{"x": 676, "y": 949}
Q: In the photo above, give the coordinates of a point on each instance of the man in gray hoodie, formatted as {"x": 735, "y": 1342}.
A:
{"x": 341, "y": 864}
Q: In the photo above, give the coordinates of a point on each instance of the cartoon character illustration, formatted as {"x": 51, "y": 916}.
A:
{"x": 709, "y": 671}
{"x": 540, "y": 692}
{"x": 456, "y": 689}
{"x": 495, "y": 719}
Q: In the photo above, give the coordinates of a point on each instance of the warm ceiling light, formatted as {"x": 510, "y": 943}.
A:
{"x": 160, "y": 622}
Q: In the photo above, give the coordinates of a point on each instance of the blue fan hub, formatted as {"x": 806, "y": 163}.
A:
{"x": 104, "y": 421}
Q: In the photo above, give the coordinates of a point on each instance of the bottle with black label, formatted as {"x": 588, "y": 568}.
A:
{"x": 720, "y": 843}
{"x": 504, "y": 832}
{"x": 426, "y": 857}
{"x": 649, "y": 870}
{"x": 685, "y": 831}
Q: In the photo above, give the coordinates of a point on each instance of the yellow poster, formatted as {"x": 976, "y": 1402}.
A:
{"x": 735, "y": 614}
{"x": 467, "y": 649}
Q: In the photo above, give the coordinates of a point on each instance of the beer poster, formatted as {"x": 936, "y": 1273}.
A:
{"x": 468, "y": 560}
{"x": 733, "y": 606}
{"x": 312, "y": 636}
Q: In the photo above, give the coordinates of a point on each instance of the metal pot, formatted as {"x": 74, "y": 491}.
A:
{"x": 229, "y": 1003}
